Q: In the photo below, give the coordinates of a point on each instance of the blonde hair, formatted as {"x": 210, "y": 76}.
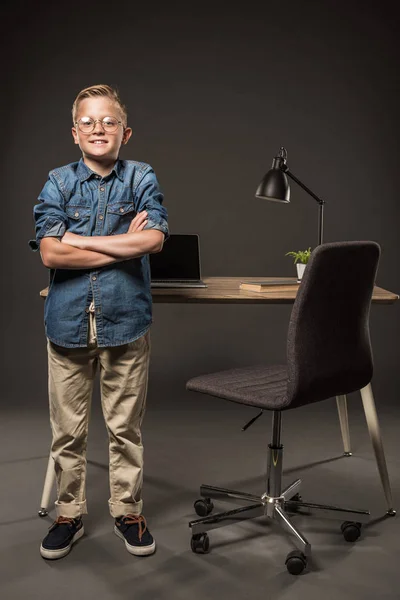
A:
{"x": 95, "y": 91}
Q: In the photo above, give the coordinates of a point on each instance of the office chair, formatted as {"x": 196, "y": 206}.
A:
{"x": 328, "y": 354}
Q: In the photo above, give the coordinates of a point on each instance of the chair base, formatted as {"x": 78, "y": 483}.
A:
{"x": 276, "y": 508}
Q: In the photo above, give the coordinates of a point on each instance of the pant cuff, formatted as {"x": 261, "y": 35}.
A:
{"x": 119, "y": 509}
{"x": 71, "y": 509}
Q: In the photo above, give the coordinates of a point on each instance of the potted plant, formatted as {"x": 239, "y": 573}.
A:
{"x": 301, "y": 258}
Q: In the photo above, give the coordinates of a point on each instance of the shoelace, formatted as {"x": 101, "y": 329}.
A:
{"x": 133, "y": 519}
{"x": 60, "y": 520}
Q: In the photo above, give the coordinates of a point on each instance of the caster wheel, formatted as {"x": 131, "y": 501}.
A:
{"x": 43, "y": 512}
{"x": 351, "y": 531}
{"x": 296, "y": 562}
{"x": 203, "y": 507}
{"x": 292, "y": 507}
{"x": 200, "y": 543}
{"x": 297, "y": 498}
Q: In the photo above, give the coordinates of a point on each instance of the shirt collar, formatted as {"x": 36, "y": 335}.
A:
{"x": 119, "y": 170}
{"x": 84, "y": 173}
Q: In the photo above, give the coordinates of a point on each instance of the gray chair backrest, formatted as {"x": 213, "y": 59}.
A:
{"x": 329, "y": 350}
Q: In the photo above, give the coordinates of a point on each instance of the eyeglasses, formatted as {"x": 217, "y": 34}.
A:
{"x": 87, "y": 124}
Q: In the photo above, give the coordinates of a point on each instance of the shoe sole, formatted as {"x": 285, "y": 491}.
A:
{"x": 136, "y": 550}
{"x": 53, "y": 554}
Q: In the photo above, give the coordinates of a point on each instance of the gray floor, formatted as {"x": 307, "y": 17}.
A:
{"x": 199, "y": 440}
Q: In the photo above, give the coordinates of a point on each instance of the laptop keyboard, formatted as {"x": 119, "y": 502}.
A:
{"x": 177, "y": 283}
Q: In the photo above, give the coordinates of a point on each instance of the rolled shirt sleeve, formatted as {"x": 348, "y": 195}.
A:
{"x": 49, "y": 214}
{"x": 149, "y": 197}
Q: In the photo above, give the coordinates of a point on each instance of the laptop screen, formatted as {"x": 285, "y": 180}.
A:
{"x": 179, "y": 258}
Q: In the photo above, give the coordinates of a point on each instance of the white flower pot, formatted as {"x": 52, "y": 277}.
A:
{"x": 300, "y": 270}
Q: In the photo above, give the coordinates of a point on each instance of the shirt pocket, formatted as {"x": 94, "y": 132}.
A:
{"x": 119, "y": 217}
{"x": 78, "y": 217}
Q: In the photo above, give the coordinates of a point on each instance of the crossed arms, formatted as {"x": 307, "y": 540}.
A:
{"x": 82, "y": 252}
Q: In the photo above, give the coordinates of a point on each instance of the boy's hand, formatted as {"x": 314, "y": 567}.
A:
{"x": 139, "y": 222}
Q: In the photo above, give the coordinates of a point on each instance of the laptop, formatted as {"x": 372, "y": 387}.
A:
{"x": 178, "y": 263}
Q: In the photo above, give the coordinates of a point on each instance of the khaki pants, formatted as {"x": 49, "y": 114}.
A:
{"x": 123, "y": 384}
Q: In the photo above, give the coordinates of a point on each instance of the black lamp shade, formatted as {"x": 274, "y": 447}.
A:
{"x": 274, "y": 186}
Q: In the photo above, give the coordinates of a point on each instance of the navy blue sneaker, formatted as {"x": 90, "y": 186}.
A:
{"x": 62, "y": 534}
{"x": 133, "y": 530}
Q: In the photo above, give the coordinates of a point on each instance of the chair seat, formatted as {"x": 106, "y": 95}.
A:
{"x": 261, "y": 386}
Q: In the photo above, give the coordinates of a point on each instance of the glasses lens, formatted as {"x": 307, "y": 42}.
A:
{"x": 110, "y": 124}
{"x": 86, "y": 124}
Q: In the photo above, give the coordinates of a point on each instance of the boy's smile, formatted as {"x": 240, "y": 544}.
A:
{"x": 100, "y": 148}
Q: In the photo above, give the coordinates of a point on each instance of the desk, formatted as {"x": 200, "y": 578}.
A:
{"x": 226, "y": 290}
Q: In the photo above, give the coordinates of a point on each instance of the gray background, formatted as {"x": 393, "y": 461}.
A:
{"x": 212, "y": 94}
{"x": 212, "y": 91}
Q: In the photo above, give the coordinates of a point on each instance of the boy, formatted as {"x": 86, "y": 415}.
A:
{"x": 96, "y": 222}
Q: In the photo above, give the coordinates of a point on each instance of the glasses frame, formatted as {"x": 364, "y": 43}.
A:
{"x": 102, "y": 125}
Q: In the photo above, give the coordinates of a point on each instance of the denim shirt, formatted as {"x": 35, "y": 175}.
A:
{"x": 76, "y": 199}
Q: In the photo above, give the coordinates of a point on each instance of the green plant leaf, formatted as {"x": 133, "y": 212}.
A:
{"x": 301, "y": 256}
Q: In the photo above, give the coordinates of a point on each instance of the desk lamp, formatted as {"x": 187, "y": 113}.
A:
{"x": 274, "y": 186}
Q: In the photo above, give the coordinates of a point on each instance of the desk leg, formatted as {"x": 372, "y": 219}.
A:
{"x": 376, "y": 439}
{"x": 341, "y": 402}
{"x": 47, "y": 488}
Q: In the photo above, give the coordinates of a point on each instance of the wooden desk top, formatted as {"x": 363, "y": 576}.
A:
{"x": 225, "y": 290}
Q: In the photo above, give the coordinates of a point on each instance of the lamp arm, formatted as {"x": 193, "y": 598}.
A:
{"x": 319, "y": 200}
{"x": 305, "y": 188}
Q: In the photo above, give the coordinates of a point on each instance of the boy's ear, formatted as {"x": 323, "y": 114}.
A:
{"x": 75, "y": 135}
{"x": 127, "y": 135}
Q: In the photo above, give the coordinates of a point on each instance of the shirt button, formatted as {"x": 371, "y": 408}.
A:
{"x": 97, "y": 176}
{"x": 102, "y": 189}
{"x": 101, "y": 217}
{"x": 121, "y": 209}
{"x": 94, "y": 278}
{"x": 76, "y": 214}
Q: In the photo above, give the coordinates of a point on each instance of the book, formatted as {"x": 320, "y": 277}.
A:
{"x": 263, "y": 285}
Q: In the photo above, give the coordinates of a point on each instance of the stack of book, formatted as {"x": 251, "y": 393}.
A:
{"x": 265, "y": 285}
